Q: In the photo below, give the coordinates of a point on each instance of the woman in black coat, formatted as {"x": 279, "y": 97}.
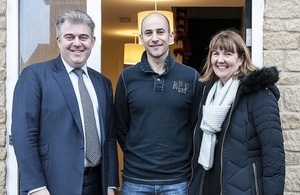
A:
{"x": 238, "y": 141}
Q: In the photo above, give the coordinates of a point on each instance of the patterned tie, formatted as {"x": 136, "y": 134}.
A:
{"x": 93, "y": 152}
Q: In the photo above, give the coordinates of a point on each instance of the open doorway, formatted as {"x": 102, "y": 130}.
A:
{"x": 202, "y": 24}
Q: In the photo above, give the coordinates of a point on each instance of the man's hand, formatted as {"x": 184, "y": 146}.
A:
{"x": 41, "y": 192}
{"x": 110, "y": 191}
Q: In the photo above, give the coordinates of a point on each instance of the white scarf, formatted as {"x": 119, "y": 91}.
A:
{"x": 216, "y": 107}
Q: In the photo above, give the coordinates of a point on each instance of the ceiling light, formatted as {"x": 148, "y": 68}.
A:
{"x": 133, "y": 53}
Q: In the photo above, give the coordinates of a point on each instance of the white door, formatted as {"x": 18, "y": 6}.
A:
{"x": 26, "y": 45}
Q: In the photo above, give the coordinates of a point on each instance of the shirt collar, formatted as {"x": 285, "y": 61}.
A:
{"x": 70, "y": 68}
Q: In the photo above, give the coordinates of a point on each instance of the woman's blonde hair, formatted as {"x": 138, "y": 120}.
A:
{"x": 231, "y": 41}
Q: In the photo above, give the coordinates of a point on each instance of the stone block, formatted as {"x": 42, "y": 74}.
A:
{"x": 292, "y": 158}
{"x": 292, "y": 60}
{"x": 2, "y": 153}
{"x": 292, "y": 181}
{"x": 274, "y": 25}
{"x": 290, "y": 121}
{"x": 2, "y": 135}
{"x": 2, "y": 115}
{"x": 292, "y": 98}
{"x": 292, "y": 140}
{"x": 274, "y": 9}
{"x": 274, "y": 58}
{"x": 280, "y": 41}
{"x": 293, "y": 25}
{"x": 289, "y": 78}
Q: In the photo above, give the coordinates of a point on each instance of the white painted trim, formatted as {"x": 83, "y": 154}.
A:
{"x": 93, "y": 8}
{"x": 257, "y": 32}
{"x": 12, "y": 68}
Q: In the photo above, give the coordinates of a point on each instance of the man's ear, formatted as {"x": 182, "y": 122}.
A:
{"x": 141, "y": 39}
{"x": 171, "y": 38}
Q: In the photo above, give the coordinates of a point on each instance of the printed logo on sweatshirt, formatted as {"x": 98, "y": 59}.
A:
{"x": 181, "y": 87}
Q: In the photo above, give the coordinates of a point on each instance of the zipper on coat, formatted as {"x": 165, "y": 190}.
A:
{"x": 194, "y": 147}
{"x": 222, "y": 147}
{"x": 192, "y": 167}
{"x": 255, "y": 179}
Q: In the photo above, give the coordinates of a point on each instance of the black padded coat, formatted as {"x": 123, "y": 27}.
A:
{"x": 251, "y": 155}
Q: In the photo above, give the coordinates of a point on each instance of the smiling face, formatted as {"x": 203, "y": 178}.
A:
{"x": 225, "y": 63}
{"x": 156, "y": 35}
{"x": 228, "y": 56}
{"x": 75, "y": 43}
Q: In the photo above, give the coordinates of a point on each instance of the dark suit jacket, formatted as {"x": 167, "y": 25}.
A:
{"x": 47, "y": 132}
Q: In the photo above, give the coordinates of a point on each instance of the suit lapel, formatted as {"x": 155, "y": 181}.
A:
{"x": 100, "y": 92}
{"x": 62, "y": 78}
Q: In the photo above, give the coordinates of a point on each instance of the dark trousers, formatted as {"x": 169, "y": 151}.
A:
{"x": 92, "y": 182}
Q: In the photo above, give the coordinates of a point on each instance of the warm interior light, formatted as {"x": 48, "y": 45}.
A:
{"x": 143, "y": 14}
{"x": 133, "y": 52}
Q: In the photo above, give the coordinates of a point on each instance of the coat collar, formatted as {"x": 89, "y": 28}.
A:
{"x": 260, "y": 79}
{"x": 144, "y": 65}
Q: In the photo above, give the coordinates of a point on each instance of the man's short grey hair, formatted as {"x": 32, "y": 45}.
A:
{"x": 74, "y": 17}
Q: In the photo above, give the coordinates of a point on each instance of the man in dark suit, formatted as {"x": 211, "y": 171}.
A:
{"x": 49, "y": 127}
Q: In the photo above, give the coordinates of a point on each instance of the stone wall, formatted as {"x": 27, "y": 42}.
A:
{"x": 2, "y": 96}
{"x": 282, "y": 49}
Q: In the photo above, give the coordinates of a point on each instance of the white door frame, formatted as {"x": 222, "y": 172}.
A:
{"x": 257, "y": 31}
{"x": 12, "y": 68}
